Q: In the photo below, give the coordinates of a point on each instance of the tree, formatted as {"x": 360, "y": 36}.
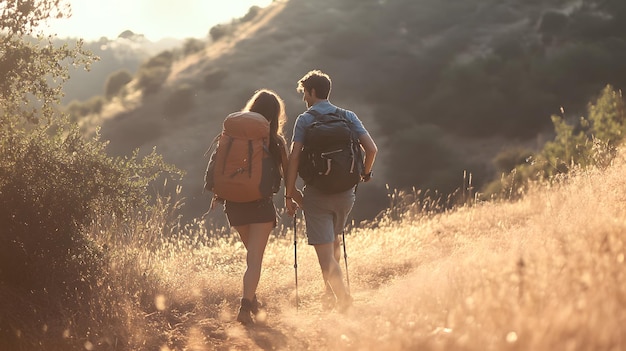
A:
{"x": 153, "y": 73}
{"x": 218, "y": 31}
{"x": 569, "y": 147}
{"x": 192, "y": 46}
{"x": 252, "y": 13}
{"x": 31, "y": 73}
{"x": 608, "y": 116}
{"x": 115, "y": 82}
{"x": 593, "y": 141}
{"x": 54, "y": 184}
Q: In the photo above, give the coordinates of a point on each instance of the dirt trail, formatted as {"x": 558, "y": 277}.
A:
{"x": 284, "y": 328}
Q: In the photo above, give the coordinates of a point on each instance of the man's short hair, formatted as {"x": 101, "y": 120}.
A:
{"x": 317, "y": 80}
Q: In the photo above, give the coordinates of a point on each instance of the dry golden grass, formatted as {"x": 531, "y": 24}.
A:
{"x": 543, "y": 273}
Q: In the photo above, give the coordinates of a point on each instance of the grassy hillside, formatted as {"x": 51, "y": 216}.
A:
{"x": 542, "y": 273}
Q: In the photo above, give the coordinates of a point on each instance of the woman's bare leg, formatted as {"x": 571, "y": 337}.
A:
{"x": 254, "y": 237}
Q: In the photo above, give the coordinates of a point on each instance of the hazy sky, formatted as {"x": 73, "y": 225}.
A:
{"x": 156, "y": 19}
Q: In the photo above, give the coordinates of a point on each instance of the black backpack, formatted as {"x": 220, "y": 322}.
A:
{"x": 332, "y": 158}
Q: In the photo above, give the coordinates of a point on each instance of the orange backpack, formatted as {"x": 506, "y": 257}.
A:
{"x": 241, "y": 169}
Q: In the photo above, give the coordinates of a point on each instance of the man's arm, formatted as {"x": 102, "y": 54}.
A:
{"x": 371, "y": 150}
{"x": 292, "y": 196}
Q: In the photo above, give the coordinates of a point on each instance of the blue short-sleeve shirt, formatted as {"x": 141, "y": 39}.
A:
{"x": 306, "y": 119}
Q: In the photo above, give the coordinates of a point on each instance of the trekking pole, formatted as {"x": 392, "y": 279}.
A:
{"x": 345, "y": 259}
{"x": 295, "y": 255}
{"x": 345, "y": 252}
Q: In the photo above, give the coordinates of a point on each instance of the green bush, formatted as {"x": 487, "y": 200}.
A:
{"x": 192, "y": 45}
{"x": 52, "y": 186}
{"x": 56, "y": 286}
{"x": 151, "y": 79}
{"x": 592, "y": 141}
{"x": 115, "y": 82}
{"x": 154, "y": 72}
{"x": 608, "y": 116}
{"x": 32, "y": 69}
{"x": 253, "y": 11}
{"x": 95, "y": 104}
{"x": 219, "y": 31}
{"x": 163, "y": 59}
{"x": 77, "y": 109}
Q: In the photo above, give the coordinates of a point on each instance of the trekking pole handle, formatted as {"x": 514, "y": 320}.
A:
{"x": 295, "y": 241}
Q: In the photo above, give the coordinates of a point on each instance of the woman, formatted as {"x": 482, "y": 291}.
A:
{"x": 255, "y": 220}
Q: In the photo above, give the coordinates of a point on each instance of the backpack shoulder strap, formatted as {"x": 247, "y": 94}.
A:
{"x": 343, "y": 113}
{"x": 314, "y": 113}
{"x": 213, "y": 144}
{"x": 338, "y": 112}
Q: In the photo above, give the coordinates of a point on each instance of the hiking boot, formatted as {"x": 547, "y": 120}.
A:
{"x": 344, "y": 304}
{"x": 244, "y": 316}
{"x": 328, "y": 300}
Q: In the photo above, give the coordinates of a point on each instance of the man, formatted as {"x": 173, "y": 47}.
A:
{"x": 325, "y": 214}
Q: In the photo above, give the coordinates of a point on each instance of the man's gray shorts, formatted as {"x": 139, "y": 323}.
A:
{"x": 325, "y": 214}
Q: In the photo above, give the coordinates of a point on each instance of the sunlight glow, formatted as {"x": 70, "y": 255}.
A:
{"x": 511, "y": 337}
{"x": 261, "y": 317}
{"x": 160, "y": 302}
{"x": 156, "y": 19}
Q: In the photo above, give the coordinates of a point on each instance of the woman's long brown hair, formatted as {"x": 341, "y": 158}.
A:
{"x": 271, "y": 106}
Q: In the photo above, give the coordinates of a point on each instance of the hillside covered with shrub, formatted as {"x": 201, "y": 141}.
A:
{"x": 121, "y": 54}
{"x": 446, "y": 88}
